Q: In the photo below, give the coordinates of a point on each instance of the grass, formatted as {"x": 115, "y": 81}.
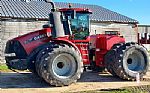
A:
{"x": 126, "y": 90}
{"x": 113, "y": 91}
{"x": 4, "y": 68}
{"x": 133, "y": 89}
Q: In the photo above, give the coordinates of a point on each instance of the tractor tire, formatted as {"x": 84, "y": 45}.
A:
{"x": 109, "y": 59}
{"x": 129, "y": 60}
{"x": 39, "y": 57}
{"x": 109, "y": 62}
{"x": 60, "y": 65}
{"x": 32, "y": 57}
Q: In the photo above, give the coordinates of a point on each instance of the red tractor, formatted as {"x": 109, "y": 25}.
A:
{"x": 62, "y": 49}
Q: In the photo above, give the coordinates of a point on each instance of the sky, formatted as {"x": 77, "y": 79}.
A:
{"x": 136, "y": 9}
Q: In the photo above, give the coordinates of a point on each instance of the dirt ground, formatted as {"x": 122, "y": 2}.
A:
{"x": 25, "y": 82}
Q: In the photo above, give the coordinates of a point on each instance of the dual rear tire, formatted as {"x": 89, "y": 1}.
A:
{"x": 59, "y": 64}
{"x": 127, "y": 61}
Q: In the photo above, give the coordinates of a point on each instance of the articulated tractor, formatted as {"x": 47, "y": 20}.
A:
{"x": 64, "y": 48}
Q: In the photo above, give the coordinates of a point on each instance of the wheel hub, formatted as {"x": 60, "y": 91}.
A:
{"x": 64, "y": 65}
{"x": 129, "y": 61}
{"x": 135, "y": 61}
{"x": 60, "y": 65}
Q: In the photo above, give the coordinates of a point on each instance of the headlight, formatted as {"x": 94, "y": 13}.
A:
{"x": 10, "y": 55}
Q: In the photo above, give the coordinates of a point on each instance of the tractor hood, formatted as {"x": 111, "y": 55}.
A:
{"x": 30, "y": 41}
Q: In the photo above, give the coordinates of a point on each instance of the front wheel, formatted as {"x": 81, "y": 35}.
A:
{"x": 61, "y": 66}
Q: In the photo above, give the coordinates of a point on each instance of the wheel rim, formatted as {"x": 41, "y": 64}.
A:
{"x": 135, "y": 61}
{"x": 64, "y": 65}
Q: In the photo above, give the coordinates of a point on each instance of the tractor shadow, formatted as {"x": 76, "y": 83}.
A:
{"x": 99, "y": 77}
{"x": 29, "y": 80}
{"x": 21, "y": 80}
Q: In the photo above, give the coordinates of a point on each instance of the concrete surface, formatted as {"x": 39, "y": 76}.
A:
{"x": 30, "y": 83}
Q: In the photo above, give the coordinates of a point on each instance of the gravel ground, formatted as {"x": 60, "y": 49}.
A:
{"x": 25, "y": 82}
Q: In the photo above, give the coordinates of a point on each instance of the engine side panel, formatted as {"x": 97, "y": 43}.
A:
{"x": 102, "y": 44}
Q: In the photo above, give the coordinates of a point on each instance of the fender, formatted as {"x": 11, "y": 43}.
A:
{"x": 32, "y": 56}
{"x": 66, "y": 41}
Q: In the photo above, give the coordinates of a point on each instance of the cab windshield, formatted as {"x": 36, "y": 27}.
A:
{"x": 80, "y": 26}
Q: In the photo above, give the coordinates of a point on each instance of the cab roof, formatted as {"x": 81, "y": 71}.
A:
{"x": 83, "y": 10}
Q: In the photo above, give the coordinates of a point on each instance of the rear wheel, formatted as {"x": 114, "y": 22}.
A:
{"x": 109, "y": 62}
{"x": 60, "y": 66}
{"x": 110, "y": 59}
{"x": 128, "y": 60}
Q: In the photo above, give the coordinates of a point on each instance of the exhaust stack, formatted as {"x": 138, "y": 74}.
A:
{"x": 52, "y": 3}
{"x": 56, "y": 21}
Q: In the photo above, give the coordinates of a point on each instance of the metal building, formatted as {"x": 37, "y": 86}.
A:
{"x": 144, "y": 35}
{"x": 20, "y": 17}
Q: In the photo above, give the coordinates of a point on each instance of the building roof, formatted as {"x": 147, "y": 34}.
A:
{"x": 40, "y": 10}
{"x": 143, "y": 25}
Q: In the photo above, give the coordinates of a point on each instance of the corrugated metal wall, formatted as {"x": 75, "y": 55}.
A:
{"x": 144, "y": 35}
{"x": 144, "y": 28}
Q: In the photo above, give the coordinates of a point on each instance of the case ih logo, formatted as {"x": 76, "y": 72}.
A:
{"x": 35, "y": 38}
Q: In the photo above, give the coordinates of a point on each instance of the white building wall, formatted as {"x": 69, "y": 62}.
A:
{"x": 12, "y": 29}
{"x": 125, "y": 30}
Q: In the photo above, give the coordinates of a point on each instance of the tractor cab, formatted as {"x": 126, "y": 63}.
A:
{"x": 77, "y": 22}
